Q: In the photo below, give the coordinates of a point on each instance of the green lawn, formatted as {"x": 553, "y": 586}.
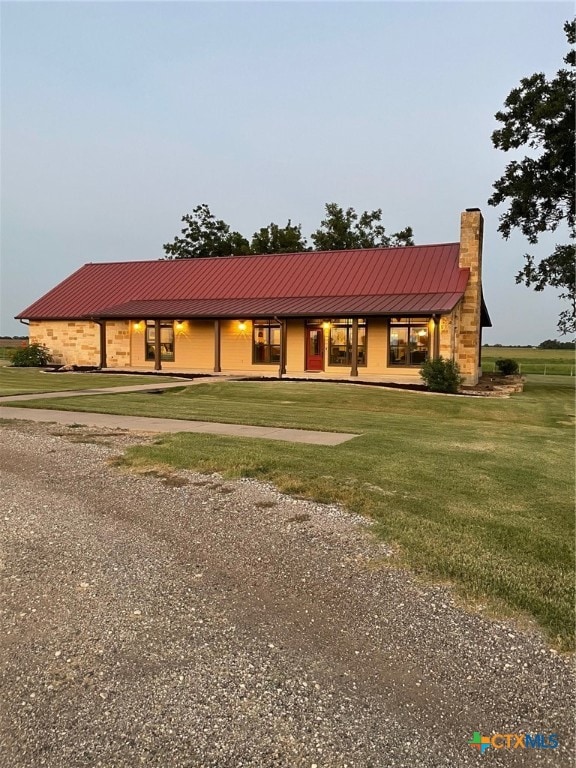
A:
{"x": 23, "y": 381}
{"x": 477, "y": 491}
{"x": 549, "y": 361}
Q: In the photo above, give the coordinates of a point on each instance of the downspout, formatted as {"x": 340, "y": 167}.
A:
{"x": 24, "y": 322}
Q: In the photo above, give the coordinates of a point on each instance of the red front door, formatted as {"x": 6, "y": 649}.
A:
{"x": 314, "y": 349}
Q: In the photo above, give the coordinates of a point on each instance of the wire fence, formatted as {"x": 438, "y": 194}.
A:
{"x": 543, "y": 369}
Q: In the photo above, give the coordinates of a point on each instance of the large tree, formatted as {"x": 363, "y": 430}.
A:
{"x": 342, "y": 229}
{"x": 539, "y": 115}
{"x": 275, "y": 239}
{"x": 205, "y": 235}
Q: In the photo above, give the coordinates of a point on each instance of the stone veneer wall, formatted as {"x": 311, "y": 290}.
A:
{"x": 468, "y": 311}
{"x": 117, "y": 344}
{"x": 77, "y": 342}
{"x": 71, "y": 342}
{"x": 448, "y": 329}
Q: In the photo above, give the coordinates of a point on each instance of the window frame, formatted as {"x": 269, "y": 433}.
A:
{"x": 266, "y": 326}
{"x": 409, "y": 323}
{"x": 347, "y": 324}
{"x": 165, "y": 357}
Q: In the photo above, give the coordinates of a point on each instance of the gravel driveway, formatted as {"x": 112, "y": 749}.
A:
{"x": 192, "y": 621}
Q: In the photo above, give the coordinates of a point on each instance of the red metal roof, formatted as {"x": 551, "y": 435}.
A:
{"x": 415, "y": 279}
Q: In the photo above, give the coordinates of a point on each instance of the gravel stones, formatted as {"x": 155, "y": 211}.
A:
{"x": 211, "y": 622}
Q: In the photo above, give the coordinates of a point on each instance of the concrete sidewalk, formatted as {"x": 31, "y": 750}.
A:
{"x": 114, "y": 390}
{"x": 148, "y": 424}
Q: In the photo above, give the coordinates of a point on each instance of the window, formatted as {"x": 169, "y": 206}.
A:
{"x": 409, "y": 341}
{"x": 340, "y": 342}
{"x": 166, "y": 340}
{"x": 265, "y": 342}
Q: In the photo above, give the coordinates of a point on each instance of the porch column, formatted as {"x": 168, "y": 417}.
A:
{"x": 436, "y": 338}
{"x": 217, "y": 368}
{"x": 103, "y": 363}
{"x": 354, "y": 369}
{"x": 283, "y": 345}
{"x": 157, "y": 347}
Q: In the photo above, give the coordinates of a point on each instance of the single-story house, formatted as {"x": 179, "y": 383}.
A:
{"x": 375, "y": 314}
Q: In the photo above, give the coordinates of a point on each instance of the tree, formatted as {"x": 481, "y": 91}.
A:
{"x": 540, "y": 115}
{"x": 204, "y": 235}
{"x": 342, "y": 229}
{"x": 554, "y": 344}
{"x": 275, "y": 239}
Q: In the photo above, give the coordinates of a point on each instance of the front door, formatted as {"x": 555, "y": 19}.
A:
{"x": 314, "y": 349}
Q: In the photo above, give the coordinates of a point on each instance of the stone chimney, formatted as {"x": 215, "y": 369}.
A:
{"x": 470, "y": 336}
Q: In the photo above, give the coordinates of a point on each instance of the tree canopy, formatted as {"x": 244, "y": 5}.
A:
{"x": 539, "y": 115}
{"x": 555, "y": 344}
{"x": 275, "y": 239}
{"x": 205, "y": 235}
{"x": 343, "y": 229}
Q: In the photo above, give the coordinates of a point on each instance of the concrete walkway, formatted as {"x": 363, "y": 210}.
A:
{"x": 148, "y": 424}
{"x": 114, "y": 390}
{"x": 151, "y": 424}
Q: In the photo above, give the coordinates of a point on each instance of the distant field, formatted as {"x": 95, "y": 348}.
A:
{"x": 559, "y": 362}
{"x": 7, "y": 346}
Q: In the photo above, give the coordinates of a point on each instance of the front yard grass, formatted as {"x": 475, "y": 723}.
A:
{"x": 476, "y": 491}
{"x": 27, "y": 381}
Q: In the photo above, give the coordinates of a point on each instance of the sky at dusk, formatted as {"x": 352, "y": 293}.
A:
{"x": 118, "y": 118}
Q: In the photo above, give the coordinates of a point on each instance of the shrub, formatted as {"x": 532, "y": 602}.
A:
{"x": 506, "y": 366}
{"x": 441, "y": 375}
{"x": 31, "y": 356}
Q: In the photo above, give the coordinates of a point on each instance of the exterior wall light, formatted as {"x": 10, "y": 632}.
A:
{"x": 241, "y": 325}
{"x": 326, "y": 326}
{"x": 137, "y": 325}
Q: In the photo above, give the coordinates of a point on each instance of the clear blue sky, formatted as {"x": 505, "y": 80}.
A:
{"x": 117, "y": 118}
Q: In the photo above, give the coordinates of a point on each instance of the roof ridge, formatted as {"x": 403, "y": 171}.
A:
{"x": 260, "y": 255}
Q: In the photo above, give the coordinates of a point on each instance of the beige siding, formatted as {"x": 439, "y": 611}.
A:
{"x": 377, "y": 351}
{"x": 236, "y": 349}
{"x": 295, "y": 347}
{"x": 193, "y": 346}
{"x": 137, "y": 345}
